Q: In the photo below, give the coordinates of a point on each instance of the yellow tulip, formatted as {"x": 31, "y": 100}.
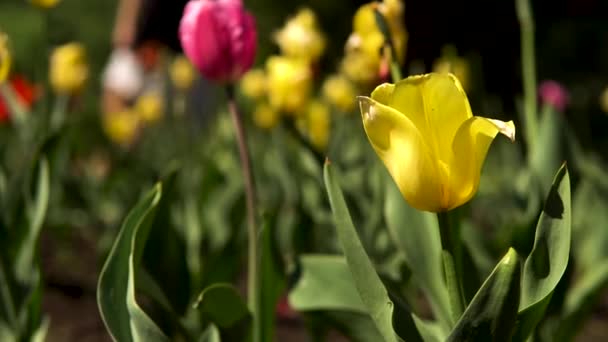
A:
{"x": 182, "y": 73}
{"x": 360, "y": 68}
{"x": 425, "y": 133}
{"x": 368, "y": 38}
{"x": 44, "y": 3}
{"x": 5, "y": 58}
{"x": 149, "y": 107}
{"x": 301, "y": 37}
{"x": 265, "y": 117}
{"x": 340, "y": 92}
{"x": 122, "y": 127}
{"x": 289, "y": 83}
{"x": 450, "y": 62}
{"x": 68, "y": 70}
{"x": 253, "y": 84}
{"x": 318, "y": 124}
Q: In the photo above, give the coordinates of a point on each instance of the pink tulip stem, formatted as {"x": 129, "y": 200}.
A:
{"x": 450, "y": 255}
{"x": 253, "y": 262}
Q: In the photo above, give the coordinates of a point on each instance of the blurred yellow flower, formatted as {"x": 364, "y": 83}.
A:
{"x": 359, "y": 67}
{"x": 289, "y": 83}
{"x": 149, "y": 107}
{"x": 68, "y": 70}
{"x": 425, "y": 133}
{"x": 121, "y": 128}
{"x": 367, "y": 37}
{"x": 340, "y": 92}
{"x": 301, "y": 37}
{"x": 604, "y": 100}
{"x": 253, "y": 84}
{"x": 182, "y": 73}
{"x": 318, "y": 124}
{"x": 450, "y": 62}
{"x": 265, "y": 117}
{"x": 5, "y": 57}
{"x": 44, "y": 3}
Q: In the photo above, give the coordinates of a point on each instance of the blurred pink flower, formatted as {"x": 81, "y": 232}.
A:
{"x": 219, "y": 38}
{"x": 554, "y": 94}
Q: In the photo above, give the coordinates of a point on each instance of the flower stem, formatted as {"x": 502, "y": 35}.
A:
{"x": 526, "y": 22}
{"x": 253, "y": 262}
{"x": 59, "y": 111}
{"x": 451, "y": 266}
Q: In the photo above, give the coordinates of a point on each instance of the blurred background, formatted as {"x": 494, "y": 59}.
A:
{"x": 571, "y": 48}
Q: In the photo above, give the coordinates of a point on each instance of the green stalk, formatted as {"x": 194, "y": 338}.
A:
{"x": 253, "y": 262}
{"x": 451, "y": 266}
{"x": 59, "y": 110}
{"x": 526, "y": 22}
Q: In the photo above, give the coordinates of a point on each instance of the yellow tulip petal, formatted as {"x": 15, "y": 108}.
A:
{"x": 470, "y": 147}
{"x": 436, "y": 104}
{"x": 383, "y": 93}
{"x": 408, "y": 159}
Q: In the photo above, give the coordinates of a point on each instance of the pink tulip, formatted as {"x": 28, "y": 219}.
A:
{"x": 219, "y": 38}
{"x": 554, "y": 94}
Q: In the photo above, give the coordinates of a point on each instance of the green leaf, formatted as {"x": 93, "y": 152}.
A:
{"x": 325, "y": 283}
{"x": 36, "y": 212}
{"x": 547, "y": 262}
{"x": 164, "y": 252}
{"x": 122, "y": 316}
{"x": 211, "y": 334}
{"x": 368, "y": 283}
{"x": 580, "y": 300}
{"x": 416, "y": 235}
{"x": 547, "y": 153}
{"x": 272, "y": 280}
{"x": 222, "y": 305}
{"x": 492, "y": 313}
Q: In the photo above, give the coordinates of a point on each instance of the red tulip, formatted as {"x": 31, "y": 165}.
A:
{"x": 219, "y": 38}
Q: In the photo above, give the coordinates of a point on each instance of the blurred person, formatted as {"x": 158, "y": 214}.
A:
{"x": 142, "y": 29}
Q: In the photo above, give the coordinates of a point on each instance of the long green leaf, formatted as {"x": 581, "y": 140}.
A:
{"x": 36, "y": 211}
{"x": 492, "y": 313}
{"x": 547, "y": 262}
{"x": 371, "y": 290}
{"x": 272, "y": 280}
{"x": 416, "y": 235}
{"x": 121, "y": 314}
{"x": 325, "y": 283}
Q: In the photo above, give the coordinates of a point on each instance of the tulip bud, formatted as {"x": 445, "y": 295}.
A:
{"x": 46, "y": 4}
{"x": 340, "y": 92}
{"x": 289, "y": 83}
{"x": 553, "y": 94}
{"x": 122, "y": 127}
{"x": 149, "y": 107}
{"x": 253, "y": 84}
{"x": 219, "y": 38}
{"x": 5, "y": 58}
{"x": 68, "y": 70}
{"x": 318, "y": 124}
{"x": 301, "y": 37}
{"x": 182, "y": 73}
{"x": 265, "y": 117}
